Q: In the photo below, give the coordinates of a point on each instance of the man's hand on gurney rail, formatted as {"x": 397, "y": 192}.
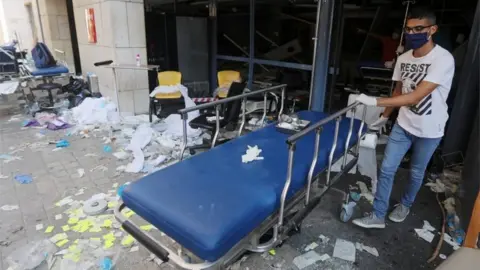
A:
{"x": 412, "y": 98}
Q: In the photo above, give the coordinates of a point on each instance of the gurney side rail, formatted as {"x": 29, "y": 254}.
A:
{"x": 162, "y": 251}
{"x": 217, "y": 103}
{"x": 317, "y": 127}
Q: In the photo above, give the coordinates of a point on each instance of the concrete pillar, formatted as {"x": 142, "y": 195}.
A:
{"x": 120, "y": 27}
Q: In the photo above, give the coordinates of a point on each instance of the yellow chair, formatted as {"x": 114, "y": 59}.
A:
{"x": 166, "y": 78}
{"x": 225, "y": 79}
{"x": 169, "y": 102}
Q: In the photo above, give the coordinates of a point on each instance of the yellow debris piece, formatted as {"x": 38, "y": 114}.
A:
{"x": 272, "y": 252}
{"x": 66, "y": 228}
{"x": 107, "y": 223}
{"x": 72, "y": 256}
{"x": 49, "y": 229}
{"x": 108, "y": 244}
{"x": 95, "y": 230}
{"x": 129, "y": 213}
{"x": 58, "y": 237}
{"x": 109, "y": 237}
{"x": 112, "y": 204}
{"x": 73, "y": 248}
{"x": 62, "y": 243}
{"x": 127, "y": 241}
{"x": 72, "y": 221}
{"x": 147, "y": 227}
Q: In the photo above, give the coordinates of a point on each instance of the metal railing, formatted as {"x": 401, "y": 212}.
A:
{"x": 317, "y": 128}
{"x": 218, "y": 103}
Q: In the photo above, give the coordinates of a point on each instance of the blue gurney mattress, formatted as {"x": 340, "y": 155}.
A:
{"x": 51, "y": 71}
{"x": 209, "y": 202}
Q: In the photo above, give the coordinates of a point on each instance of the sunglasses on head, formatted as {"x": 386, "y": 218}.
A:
{"x": 416, "y": 29}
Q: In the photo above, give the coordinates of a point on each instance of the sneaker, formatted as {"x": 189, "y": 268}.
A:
{"x": 399, "y": 214}
{"x": 370, "y": 222}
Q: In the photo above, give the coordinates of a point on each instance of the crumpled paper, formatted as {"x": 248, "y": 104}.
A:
{"x": 253, "y": 153}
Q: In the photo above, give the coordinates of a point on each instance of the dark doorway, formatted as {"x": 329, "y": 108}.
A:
{"x": 73, "y": 36}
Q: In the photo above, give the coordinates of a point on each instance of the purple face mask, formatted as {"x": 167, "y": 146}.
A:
{"x": 416, "y": 40}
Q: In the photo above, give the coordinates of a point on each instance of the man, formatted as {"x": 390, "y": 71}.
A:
{"x": 390, "y": 44}
{"x": 423, "y": 78}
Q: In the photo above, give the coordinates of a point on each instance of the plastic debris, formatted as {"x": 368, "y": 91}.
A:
{"x": 49, "y": 229}
{"x": 58, "y": 237}
{"x": 311, "y": 246}
{"x": 253, "y": 153}
{"x": 344, "y": 250}
{"x": 32, "y": 255}
{"x": 134, "y": 249}
{"x": 106, "y": 264}
{"x": 371, "y": 250}
{"x": 8, "y": 207}
{"x": 425, "y": 235}
{"x": 107, "y": 149}
{"x": 23, "y": 178}
{"x": 101, "y": 168}
{"x": 66, "y": 228}
{"x": 427, "y": 226}
{"x": 272, "y": 252}
{"x": 308, "y": 259}
{"x": 121, "y": 155}
{"x": 81, "y": 173}
{"x": 128, "y": 241}
{"x": 3, "y": 176}
{"x": 426, "y": 232}
{"x": 364, "y": 192}
{"x": 355, "y": 196}
{"x": 324, "y": 239}
{"x": 442, "y": 256}
{"x": 62, "y": 144}
{"x": 39, "y": 227}
{"x": 64, "y": 201}
{"x": 447, "y": 238}
{"x": 438, "y": 186}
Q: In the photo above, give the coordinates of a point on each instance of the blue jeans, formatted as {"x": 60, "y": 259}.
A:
{"x": 398, "y": 144}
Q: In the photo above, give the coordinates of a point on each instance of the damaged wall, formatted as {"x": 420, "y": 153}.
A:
{"x": 120, "y": 27}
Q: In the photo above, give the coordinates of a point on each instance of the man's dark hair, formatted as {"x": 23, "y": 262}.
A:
{"x": 423, "y": 13}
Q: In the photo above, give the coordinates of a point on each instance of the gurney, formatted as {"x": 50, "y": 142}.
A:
{"x": 216, "y": 207}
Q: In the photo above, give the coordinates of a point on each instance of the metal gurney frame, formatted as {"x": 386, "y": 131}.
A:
{"x": 307, "y": 197}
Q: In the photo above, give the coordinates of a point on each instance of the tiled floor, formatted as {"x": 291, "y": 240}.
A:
{"x": 55, "y": 175}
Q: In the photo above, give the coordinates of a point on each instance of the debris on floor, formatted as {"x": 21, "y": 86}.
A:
{"x": 442, "y": 256}
{"x": 311, "y": 246}
{"x": 365, "y": 192}
{"x": 23, "y": 178}
{"x": 31, "y": 255}
{"x": 344, "y": 250}
{"x": 308, "y": 259}
{"x": 324, "y": 239}
{"x": 8, "y": 207}
{"x": 371, "y": 250}
{"x": 426, "y": 232}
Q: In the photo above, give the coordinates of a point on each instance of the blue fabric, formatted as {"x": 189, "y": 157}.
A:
{"x": 398, "y": 144}
{"x": 51, "y": 71}
{"x": 210, "y": 201}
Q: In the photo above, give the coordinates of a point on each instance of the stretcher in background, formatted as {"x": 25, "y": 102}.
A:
{"x": 216, "y": 208}
{"x": 376, "y": 78}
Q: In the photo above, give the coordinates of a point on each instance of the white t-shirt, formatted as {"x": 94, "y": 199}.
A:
{"x": 427, "y": 118}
